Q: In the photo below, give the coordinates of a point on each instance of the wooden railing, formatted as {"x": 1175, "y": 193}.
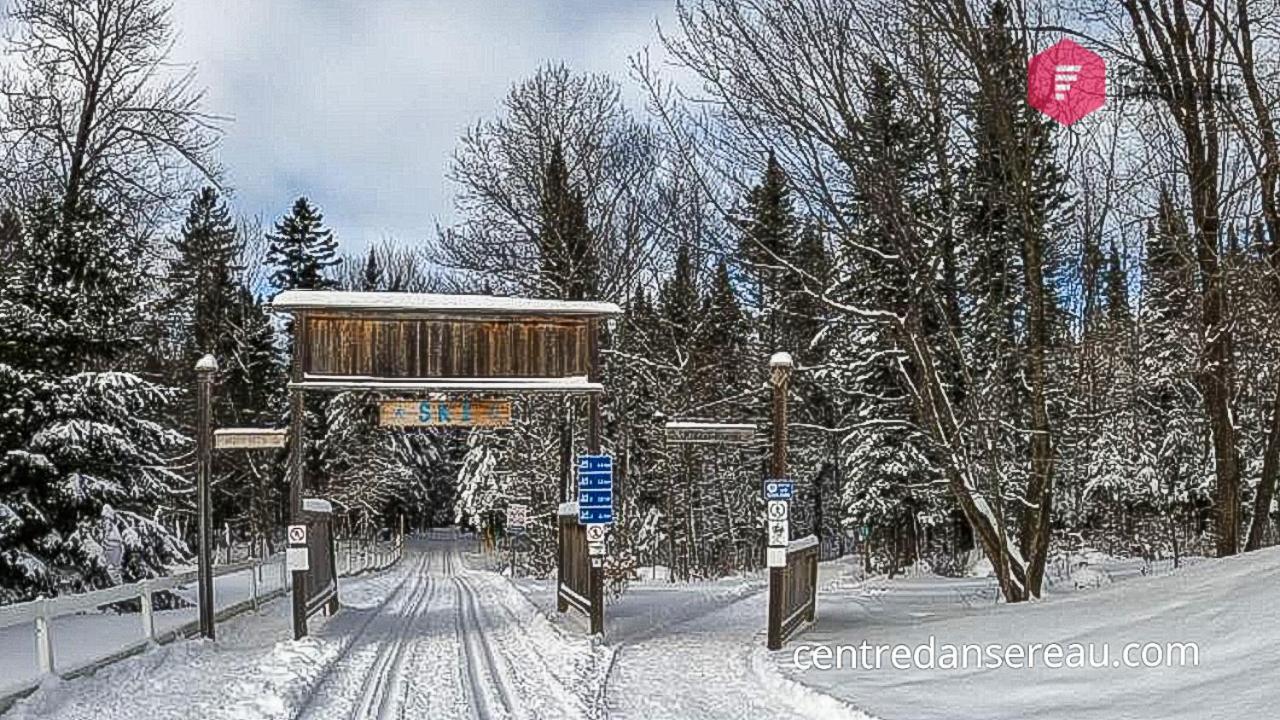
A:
{"x": 793, "y": 600}
{"x": 41, "y": 613}
{"x": 356, "y": 557}
{"x": 578, "y": 586}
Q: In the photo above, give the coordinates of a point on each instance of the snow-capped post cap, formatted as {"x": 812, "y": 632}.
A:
{"x": 780, "y": 359}
{"x": 207, "y": 364}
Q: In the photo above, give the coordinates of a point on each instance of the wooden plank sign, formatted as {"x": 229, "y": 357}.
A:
{"x": 248, "y": 438}
{"x": 445, "y": 413}
{"x": 694, "y": 433}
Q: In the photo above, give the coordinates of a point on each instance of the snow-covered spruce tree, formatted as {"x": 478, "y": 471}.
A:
{"x": 201, "y": 281}
{"x": 302, "y": 250}
{"x": 302, "y": 253}
{"x": 768, "y": 226}
{"x": 1175, "y": 479}
{"x": 83, "y": 452}
{"x": 892, "y": 488}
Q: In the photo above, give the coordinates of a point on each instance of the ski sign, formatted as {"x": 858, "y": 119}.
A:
{"x": 445, "y": 413}
{"x": 595, "y": 489}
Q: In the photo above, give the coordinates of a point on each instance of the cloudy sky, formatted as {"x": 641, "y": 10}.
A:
{"x": 358, "y": 104}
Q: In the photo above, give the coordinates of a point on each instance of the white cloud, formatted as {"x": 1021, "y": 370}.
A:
{"x": 359, "y": 104}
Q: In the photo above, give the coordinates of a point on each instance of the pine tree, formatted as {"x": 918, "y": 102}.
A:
{"x": 564, "y": 236}
{"x": 767, "y": 242}
{"x": 720, "y": 347}
{"x": 890, "y": 481}
{"x": 303, "y": 250}
{"x": 83, "y": 449}
{"x": 371, "y": 273}
{"x": 201, "y": 280}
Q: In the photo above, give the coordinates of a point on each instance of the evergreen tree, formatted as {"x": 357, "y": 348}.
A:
{"x": 303, "y": 250}
{"x": 201, "y": 279}
{"x": 720, "y": 345}
{"x": 84, "y": 453}
{"x": 767, "y": 242}
{"x": 564, "y": 237}
{"x": 371, "y": 273}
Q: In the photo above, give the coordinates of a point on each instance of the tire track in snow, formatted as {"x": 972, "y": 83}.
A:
{"x": 389, "y": 645}
{"x": 483, "y": 667}
{"x": 384, "y": 691}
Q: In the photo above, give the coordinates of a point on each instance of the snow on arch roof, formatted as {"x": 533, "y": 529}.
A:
{"x": 392, "y": 302}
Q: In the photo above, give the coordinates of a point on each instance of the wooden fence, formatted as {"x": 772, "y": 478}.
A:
{"x": 578, "y": 585}
{"x": 321, "y": 579}
{"x": 40, "y": 614}
{"x": 792, "y": 600}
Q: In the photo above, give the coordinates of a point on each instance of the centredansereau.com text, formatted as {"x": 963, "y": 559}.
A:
{"x": 933, "y": 655}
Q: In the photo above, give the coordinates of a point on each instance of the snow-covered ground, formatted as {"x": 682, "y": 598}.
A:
{"x": 438, "y": 638}
{"x": 429, "y": 639}
{"x": 79, "y": 639}
{"x": 1226, "y": 607}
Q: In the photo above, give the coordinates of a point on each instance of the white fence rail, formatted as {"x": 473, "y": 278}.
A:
{"x": 99, "y": 642}
{"x": 266, "y": 579}
{"x": 355, "y": 557}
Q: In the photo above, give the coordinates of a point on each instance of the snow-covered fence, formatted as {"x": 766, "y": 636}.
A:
{"x": 266, "y": 579}
{"x": 355, "y": 557}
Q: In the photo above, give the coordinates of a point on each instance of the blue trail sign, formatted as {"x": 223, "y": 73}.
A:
{"x": 778, "y": 489}
{"x": 595, "y": 489}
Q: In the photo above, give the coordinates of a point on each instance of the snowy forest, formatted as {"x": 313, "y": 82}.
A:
{"x": 1012, "y": 338}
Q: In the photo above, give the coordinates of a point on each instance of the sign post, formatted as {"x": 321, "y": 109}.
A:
{"x": 595, "y": 511}
{"x": 248, "y": 438}
{"x": 702, "y": 433}
{"x": 205, "y": 370}
{"x": 780, "y": 366}
{"x": 517, "y": 520}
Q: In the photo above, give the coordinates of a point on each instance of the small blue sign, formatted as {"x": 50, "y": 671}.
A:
{"x": 588, "y": 516}
{"x": 595, "y": 489}
{"x": 779, "y": 489}
{"x": 595, "y": 498}
{"x": 595, "y": 463}
{"x": 593, "y": 481}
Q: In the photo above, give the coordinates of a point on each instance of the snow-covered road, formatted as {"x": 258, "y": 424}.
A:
{"x": 432, "y": 639}
{"x": 448, "y": 644}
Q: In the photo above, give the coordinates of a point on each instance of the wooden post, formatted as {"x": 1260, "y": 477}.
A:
{"x": 148, "y": 614}
{"x": 44, "y": 637}
{"x": 595, "y": 577}
{"x": 298, "y": 463}
{"x": 779, "y": 380}
{"x": 205, "y": 370}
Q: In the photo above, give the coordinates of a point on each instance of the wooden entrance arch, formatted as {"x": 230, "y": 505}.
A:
{"x": 414, "y": 343}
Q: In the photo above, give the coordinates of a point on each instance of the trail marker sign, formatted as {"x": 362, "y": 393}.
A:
{"x": 595, "y": 489}
{"x": 699, "y": 433}
{"x": 779, "y": 489}
{"x": 248, "y": 438}
{"x": 517, "y": 517}
{"x": 297, "y": 556}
